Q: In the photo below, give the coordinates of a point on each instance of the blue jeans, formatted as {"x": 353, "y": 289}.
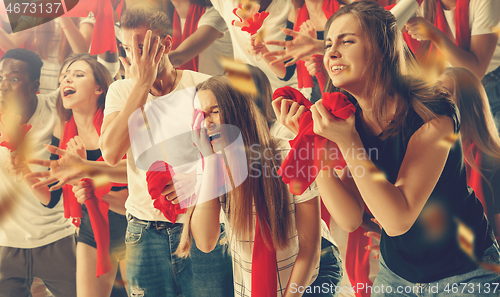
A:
{"x": 491, "y": 84}
{"x": 330, "y": 272}
{"x": 154, "y": 271}
{"x": 479, "y": 282}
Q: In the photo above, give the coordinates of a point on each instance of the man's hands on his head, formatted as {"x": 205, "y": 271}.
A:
{"x": 143, "y": 66}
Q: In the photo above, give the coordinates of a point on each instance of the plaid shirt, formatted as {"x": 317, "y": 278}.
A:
{"x": 241, "y": 251}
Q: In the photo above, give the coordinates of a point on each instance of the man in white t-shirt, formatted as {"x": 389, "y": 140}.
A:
{"x": 151, "y": 239}
{"x": 277, "y": 18}
{"x": 35, "y": 241}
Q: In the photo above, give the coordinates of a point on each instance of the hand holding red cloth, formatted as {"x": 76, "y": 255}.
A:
{"x": 158, "y": 176}
{"x": 249, "y": 21}
{"x": 298, "y": 170}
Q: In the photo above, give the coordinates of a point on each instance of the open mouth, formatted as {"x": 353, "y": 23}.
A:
{"x": 338, "y": 68}
{"x": 68, "y": 91}
{"x": 214, "y": 136}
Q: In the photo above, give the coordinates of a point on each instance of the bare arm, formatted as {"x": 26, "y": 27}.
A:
{"x": 202, "y": 38}
{"x": 205, "y": 223}
{"x": 114, "y": 141}
{"x": 308, "y": 222}
{"x": 396, "y": 206}
{"x": 79, "y": 38}
{"x": 116, "y": 200}
{"x": 13, "y": 40}
{"x": 341, "y": 198}
{"x": 477, "y": 59}
{"x": 71, "y": 167}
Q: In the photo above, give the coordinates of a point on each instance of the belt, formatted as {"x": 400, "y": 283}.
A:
{"x": 152, "y": 224}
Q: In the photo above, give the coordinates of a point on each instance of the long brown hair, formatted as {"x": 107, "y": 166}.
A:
{"x": 477, "y": 123}
{"x": 388, "y": 68}
{"x": 102, "y": 78}
{"x": 264, "y": 97}
{"x": 261, "y": 191}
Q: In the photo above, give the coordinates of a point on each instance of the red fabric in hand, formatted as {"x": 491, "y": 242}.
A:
{"x": 251, "y": 24}
{"x": 292, "y": 170}
{"x": 194, "y": 14}
{"x": 157, "y": 177}
{"x": 304, "y": 79}
{"x": 264, "y": 272}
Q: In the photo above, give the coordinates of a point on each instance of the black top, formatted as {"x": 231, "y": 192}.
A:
{"x": 92, "y": 155}
{"x": 429, "y": 251}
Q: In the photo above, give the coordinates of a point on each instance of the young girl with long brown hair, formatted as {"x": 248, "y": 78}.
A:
{"x": 262, "y": 215}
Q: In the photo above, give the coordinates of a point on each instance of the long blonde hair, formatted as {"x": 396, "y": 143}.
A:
{"x": 477, "y": 124}
{"x": 259, "y": 192}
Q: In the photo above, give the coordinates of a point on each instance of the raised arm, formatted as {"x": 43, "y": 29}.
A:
{"x": 114, "y": 140}
{"x": 202, "y": 38}
{"x": 79, "y": 38}
{"x": 476, "y": 59}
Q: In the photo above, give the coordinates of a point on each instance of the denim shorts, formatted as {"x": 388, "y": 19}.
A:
{"x": 154, "y": 271}
{"x": 479, "y": 282}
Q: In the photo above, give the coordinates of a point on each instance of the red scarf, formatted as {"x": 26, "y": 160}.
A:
{"x": 474, "y": 178}
{"x": 264, "y": 263}
{"x": 296, "y": 168}
{"x": 194, "y": 15}
{"x": 97, "y": 209}
{"x": 304, "y": 79}
{"x": 103, "y": 37}
{"x": 462, "y": 32}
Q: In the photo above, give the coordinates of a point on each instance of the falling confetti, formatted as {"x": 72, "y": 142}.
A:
{"x": 376, "y": 174}
{"x": 239, "y": 76}
{"x": 434, "y": 219}
{"x": 449, "y": 140}
{"x": 465, "y": 237}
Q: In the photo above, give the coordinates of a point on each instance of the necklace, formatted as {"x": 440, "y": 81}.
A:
{"x": 173, "y": 84}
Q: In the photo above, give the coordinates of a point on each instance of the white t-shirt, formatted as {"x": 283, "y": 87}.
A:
{"x": 484, "y": 15}
{"x": 278, "y": 16}
{"x": 175, "y": 120}
{"x": 242, "y": 251}
{"x": 208, "y": 61}
{"x": 29, "y": 224}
